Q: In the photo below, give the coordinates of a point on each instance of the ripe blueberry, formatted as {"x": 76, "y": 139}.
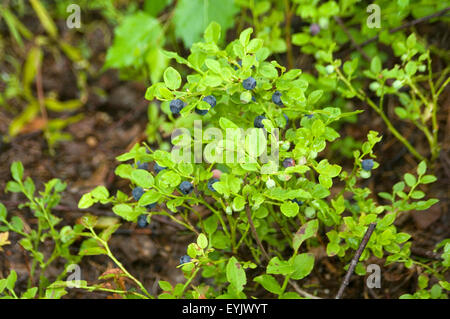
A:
{"x": 253, "y": 99}
{"x": 299, "y": 202}
{"x": 143, "y": 166}
{"x": 151, "y": 206}
{"x": 210, "y": 99}
{"x": 201, "y": 112}
{"x": 137, "y": 193}
{"x": 158, "y": 168}
{"x": 186, "y": 187}
{"x": 249, "y": 83}
{"x": 184, "y": 259}
{"x": 142, "y": 221}
{"x": 176, "y": 106}
{"x": 276, "y": 98}
{"x": 258, "y": 121}
{"x": 314, "y": 29}
{"x": 210, "y": 184}
{"x": 288, "y": 162}
{"x": 367, "y": 164}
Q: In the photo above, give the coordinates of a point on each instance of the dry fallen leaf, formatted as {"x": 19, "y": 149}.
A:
{"x": 4, "y": 240}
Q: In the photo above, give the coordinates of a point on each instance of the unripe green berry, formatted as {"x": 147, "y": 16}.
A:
{"x": 374, "y": 86}
{"x": 329, "y": 68}
{"x": 270, "y": 183}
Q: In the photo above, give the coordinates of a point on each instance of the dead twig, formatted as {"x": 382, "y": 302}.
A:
{"x": 301, "y": 291}
{"x": 355, "y": 259}
{"x": 404, "y": 26}
{"x": 352, "y": 39}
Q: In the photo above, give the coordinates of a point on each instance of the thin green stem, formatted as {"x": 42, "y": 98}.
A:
{"x": 386, "y": 120}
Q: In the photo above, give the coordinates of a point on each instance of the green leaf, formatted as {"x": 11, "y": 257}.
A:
{"x": 45, "y": 18}
{"x": 427, "y": 179}
{"x": 236, "y": 274}
{"x": 387, "y": 220}
{"x": 254, "y": 45}
{"x": 213, "y": 65}
{"x": 303, "y": 265}
{"x": 212, "y": 32}
{"x": 17, "y": 171}
{"x": 165, "y": 285}
{"x": 142, "y": 178}
{"x": 375, "y": 65}
{"x": 305, "y": 232}
{"x": 154, "y": 7}
{"x": 93, "y": 251}
{"x": 30, "y": 293}
{"x": 100, "y": 193}
{"x": 269, "y": 283}
{"x": 421, "y": 168}
{"x": 86, "y": 201}
{"x": 244, "y": 37}
{"x": 202, "y": 241}
{"x": 314, "y": 97}
{"x": 126, "y": 212}
{"x": 289, "y": 209}
{"x": 172, "y": 78}
{"x": 402, "y": 237}
{"x": 149, "y": 197}
{"x": 3, "y": 212}
{"x": 279, "y": 267}
{"x": 210, "y": 224}
{"x": 192, "y": 17}
{"x": 137, "y": 44}
{"x": 410, "y": 179}
{"x": 11, "y": 280}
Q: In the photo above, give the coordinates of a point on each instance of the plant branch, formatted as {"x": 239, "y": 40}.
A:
{"x": 355, "y": 259}
{"x": 255, "y": 234}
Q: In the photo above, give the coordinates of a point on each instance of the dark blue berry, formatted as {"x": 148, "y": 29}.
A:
{"x": 258, "y": 121}
{"x": 143, "y": 166}
{"x": 151, "y": 206}
{"x": 142, "y": 221}
{"x": 201, "y": 112}
{"x": 210, "y": 99}
{"x": 249, "y": 83}
{"x": 298, "y": 202}
{"x": 276, "y": 98}
{"x": 210, "y": 184}
{"x": 310, "y": 116}
{"x": 185, "y": 259}
{"x": 137, "y": 193}
{"x": 288, "y": 162}
{"x": 176, "y": 106}
{"x": 367, "y": 164}
{"x": 158, "y": 168}
{"x": 253, "y": 99}
{"x": 186, "y": 187}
